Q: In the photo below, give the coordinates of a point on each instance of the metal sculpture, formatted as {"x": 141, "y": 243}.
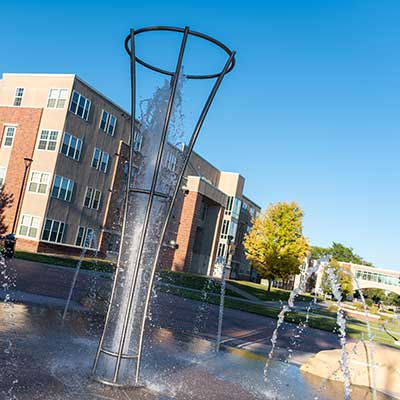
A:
{"x": 147, "y": 210}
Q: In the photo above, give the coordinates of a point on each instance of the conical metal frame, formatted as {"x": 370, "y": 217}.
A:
{"x": 117, "y": 356}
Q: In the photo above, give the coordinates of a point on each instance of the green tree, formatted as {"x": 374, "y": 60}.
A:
{"x": 377, "y": 295}
{"x": 392, "y": 299}
{"x": 344, "y": 278}
{"x": 339, "y": 252}
{"x": 275, "y": 246}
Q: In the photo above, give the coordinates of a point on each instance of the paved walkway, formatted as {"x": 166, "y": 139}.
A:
{"x": 180, "y": 314}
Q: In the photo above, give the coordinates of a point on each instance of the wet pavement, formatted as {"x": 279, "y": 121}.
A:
{"x": 177, "y": 313}
{"x": 43, "y": 357}
{"x": 46, "y": 358}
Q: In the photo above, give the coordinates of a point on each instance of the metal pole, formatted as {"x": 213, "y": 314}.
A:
{"x": 192, "y": 142}
{"x": 131, "y": 153}
{"x": 27, "y": 166}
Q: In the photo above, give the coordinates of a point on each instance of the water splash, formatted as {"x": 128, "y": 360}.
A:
{"x": 90, "y": 242}
{"x": 341, "y": 322}
{"x": 202, "y": 312}
{"x": 221, "y": 303}
{"x": 369, "y": 333}
{"x": 305, "y": 274}
{"x": 8, "y": 279}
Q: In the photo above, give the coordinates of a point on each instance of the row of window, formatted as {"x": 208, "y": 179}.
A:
{"x": 62, "y": 188}
{"x": 378, "y": 277}
{"x": 71, "y": 146}
{"x": 53, "y": 231}
{"x": 80, "y": 106}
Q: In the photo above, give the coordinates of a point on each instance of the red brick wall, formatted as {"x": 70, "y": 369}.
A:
{"x": 27, "y": 245}
{"x": 187, "y": 231}
{"x": 28, "y": 120}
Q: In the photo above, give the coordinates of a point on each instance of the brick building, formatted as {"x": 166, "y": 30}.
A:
{"x": 78, "y": 139}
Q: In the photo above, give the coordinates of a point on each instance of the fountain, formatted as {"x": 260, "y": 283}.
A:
{"x": 149, "y": 201}
{"x": 48, "y": 356}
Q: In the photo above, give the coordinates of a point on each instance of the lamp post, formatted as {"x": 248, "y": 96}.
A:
{"x": 27, "y": 163}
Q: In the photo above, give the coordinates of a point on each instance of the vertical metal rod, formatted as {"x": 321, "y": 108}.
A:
{"x": 131, "y": 152}
{"x": 192, "y": 142}
{"x": 151, "y": 197}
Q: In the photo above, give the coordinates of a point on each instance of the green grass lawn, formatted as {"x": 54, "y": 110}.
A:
{"x": 261, "y": 292}
{"x": 64, "y": 261}
{"x": 356, "y": 328}
{"x": 197, "y": 282}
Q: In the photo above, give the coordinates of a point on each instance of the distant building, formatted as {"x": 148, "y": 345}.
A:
{"x": 78, "y": 140}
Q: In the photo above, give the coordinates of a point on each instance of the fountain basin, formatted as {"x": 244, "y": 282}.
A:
{"x": 326, "y": 364}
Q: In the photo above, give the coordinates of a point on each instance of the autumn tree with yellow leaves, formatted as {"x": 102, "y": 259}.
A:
{"x": 275, "y": 246}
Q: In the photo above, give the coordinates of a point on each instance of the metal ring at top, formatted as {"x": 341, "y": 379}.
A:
{"x": 181, "y": 30}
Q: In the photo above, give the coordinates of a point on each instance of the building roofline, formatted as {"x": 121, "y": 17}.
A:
{"x": 102, "y": 95}
{"x": 35, "y": 74}
{"x": 251, "y": 201}
{"x": 77, "y": 77}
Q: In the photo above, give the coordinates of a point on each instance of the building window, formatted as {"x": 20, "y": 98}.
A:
{"x": 96, "y": 158}
{"x": 225, "y": 229}
{"x": 71, "y": 146}
{"x": 57, "y": 98}
{"x": 2, "y": 176}
{"x": 38, "y": 182}
{"x": 92, "y": 198}
{"x": 170, "y": 161}
{"x": 137, "y": 144}
{"x": 221, "y": 250}
{"x": 80, "y": 105}
{"x": 29, "y": 226}
{"x": 48, "y": 140}
{"x": 113, "y": 243}
{"x": 19, "y": 93}
{"x": 9, "y": 135}
{"x": 53, "y": 231}
{"x": 62, "y": 188}
{"x": 100, "y": 160}
{"x": 85, "y": 237}
{"x": 104, "y": 162}
{"x": 108, "y": 122}
{"x": 229, "y": 203}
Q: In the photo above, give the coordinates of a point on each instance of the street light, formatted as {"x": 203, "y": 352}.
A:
{"x": 27, "y": 163}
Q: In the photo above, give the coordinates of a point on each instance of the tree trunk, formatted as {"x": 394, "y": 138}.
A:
{"x": 269, "y": 285}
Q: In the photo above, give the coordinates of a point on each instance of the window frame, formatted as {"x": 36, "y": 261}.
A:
{"x": 31, "y": 217}
{"x": 2, "y": 178}
{"x": 86, "y": 111}
{"x": 86, "y": 230}
{"x": 60, "y": 223}
{"x": 93, "y": 194}
{"x": 31, "y": 174}
{"x": 57, "y": 99}
{"x": 5, "y": 137}
{"x": 48, "y": 140}
{"x": 18, "y": 97}
{"x": 69, "y": 191}
{"x": 77, "y": 149}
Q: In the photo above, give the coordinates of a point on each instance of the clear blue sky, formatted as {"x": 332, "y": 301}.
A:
{"x": 311, "y": 113}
